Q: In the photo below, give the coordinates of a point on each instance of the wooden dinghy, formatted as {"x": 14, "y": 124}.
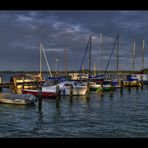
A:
{"x": 9, "y": 98}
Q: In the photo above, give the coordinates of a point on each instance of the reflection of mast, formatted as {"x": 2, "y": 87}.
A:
{"x": 134, "y": 56}
{"x": 143, "y": 55}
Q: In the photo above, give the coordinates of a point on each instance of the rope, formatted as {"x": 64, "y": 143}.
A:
{"x": 111, "y": 55}
{"x": 84, "y": 55}
{"x": 46, "y": 60}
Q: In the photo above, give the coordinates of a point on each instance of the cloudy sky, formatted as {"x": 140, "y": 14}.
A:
{"x": 22, "y": 31}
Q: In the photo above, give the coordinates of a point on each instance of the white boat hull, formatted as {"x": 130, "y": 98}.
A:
{"x": 75, "y": 91}
{"x": 15, "y": 101}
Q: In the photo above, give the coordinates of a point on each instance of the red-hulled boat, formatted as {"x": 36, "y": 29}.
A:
{"x": 36, "y": 93}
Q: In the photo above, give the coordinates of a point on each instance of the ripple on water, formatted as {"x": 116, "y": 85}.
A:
{"x": 119, "y": 115}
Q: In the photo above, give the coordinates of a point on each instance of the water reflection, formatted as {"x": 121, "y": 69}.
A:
{"x": 137, "y": 88}
{"x": 38, "y": 125}
{"x": 142, "y": 87}
{"x": 39, "y": 105}
{"x": 70, "y": 102}
{"x": 87, "y": 100}
{"x": 57, "y": 105}
{"x": 121, "y": 92}
{"x": 111, "y": 94}
{"x": 40, "y": 117}
{"x": 129, "y": 90}
{"x": 108, "y": 114}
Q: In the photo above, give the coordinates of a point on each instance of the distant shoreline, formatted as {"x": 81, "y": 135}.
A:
{"x": 145, "y": 71}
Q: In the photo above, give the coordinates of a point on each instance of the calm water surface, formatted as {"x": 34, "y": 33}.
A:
{"x": 113, "y": 115}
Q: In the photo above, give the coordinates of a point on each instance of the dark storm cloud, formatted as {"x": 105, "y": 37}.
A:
{"x": 22, "y": 31}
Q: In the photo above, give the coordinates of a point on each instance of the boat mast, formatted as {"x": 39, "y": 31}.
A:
{"x": 134, "y": 49}
{"x": 100, "y": 52}
{"x": 143, "y": 55}
{"x": 40, "y": 61}
{"x": 110, "y": 55}
{"x": 65, "y": 62}
{"x": 89, "y": 70}
{"x": 118, "y": 54}
{"x": 94, "y": 68}
{"x": 46, "y": 60}
{"x": 83, "y": 69}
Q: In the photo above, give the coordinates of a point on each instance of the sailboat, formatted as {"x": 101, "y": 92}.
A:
{"x": 49, "y": 87}
{"x": 51, "y": 92}
{"x": 143, "y": 78}
{"x": 117, "y": 81}
{"x": 132, "y": 80}
{"x": 98, "y": 82}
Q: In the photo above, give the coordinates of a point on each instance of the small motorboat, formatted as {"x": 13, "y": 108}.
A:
{"x": 9, "y": 98}
{"x": 66, "y": 87}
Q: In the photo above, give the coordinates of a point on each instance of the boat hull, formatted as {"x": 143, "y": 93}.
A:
{"x": 132, "y": 84}
{"x": 76, "y": 91}
{"x": 15, "y": 101}
{"x": 105, "y": 88}
{"x": 43, "y": 94}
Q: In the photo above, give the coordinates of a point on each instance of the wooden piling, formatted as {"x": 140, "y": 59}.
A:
{"x": 129, "y": 86}
{"x": 40, "y": 99}
{"x": 137, "y": 87}
{"x": 23, "y": 82}
{"x": 71, "y": 90}
{"x": 142, "y": 84}
{"x": 58, "y": 91}
{"x": 88, "y": 90}
{"x": 15, "y": 84}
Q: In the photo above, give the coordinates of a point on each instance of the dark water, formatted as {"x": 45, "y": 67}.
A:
{"x": 116, "y": 115}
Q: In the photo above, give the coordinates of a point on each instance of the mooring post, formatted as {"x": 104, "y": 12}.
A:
{"x": 88, "y": 90}
{"x": 142, "y": 84}
{"x": 23, "y": 82}
{"x": 15, "y": 84}
{"x": 40, "y": 98}
{"x": 71, "y": 90}
{"x": 129, "y": 86}
{"x": 137, "y": 83}
{"x": 111, "y": 91}
{"x": 58, "y": 91}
